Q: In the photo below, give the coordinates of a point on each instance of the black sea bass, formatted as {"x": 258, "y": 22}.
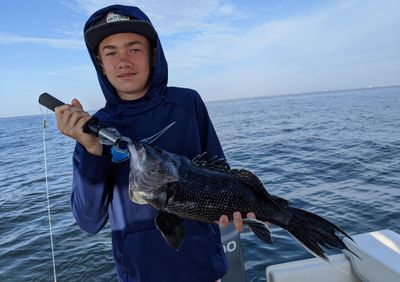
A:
{"x": 204, "y": 189}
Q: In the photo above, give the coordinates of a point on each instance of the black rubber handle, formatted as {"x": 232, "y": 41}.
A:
{"x": 49, "y": 101}
{"x": 92, "y": 126}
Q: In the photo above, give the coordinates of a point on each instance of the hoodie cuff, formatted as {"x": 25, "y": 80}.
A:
{"x": 95, "y": 167}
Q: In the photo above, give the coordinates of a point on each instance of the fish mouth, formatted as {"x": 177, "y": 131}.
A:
{"x": 138, "y": 145}
{"x": 135, "y": 197}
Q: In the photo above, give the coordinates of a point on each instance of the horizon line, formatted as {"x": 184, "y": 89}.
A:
{"x": 338, "y": 90}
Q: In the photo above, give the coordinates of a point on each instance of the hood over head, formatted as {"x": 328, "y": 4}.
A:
{"x": 120, "y": 19}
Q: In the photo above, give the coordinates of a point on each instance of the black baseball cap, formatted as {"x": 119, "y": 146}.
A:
{"x": 113, "y": 23}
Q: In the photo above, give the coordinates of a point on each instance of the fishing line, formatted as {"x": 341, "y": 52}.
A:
{"x": 47, "y": 190}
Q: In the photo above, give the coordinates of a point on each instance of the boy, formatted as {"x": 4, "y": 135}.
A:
{"x": 132, "y": 73}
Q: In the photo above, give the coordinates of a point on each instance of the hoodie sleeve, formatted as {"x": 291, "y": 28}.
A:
{"x": 208, "y": 137}
{"x": 91, "y": 189}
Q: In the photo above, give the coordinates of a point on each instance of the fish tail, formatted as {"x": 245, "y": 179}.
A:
{"x": 315, "y": 232}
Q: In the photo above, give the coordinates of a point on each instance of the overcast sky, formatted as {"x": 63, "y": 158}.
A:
{"x": 223, "y": 49}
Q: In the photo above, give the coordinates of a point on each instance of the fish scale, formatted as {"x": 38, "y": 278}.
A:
{"x": 200, "y": 198}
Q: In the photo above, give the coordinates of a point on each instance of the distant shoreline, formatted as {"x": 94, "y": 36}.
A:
{"x": 306, "y": 93}
{"x": 267, "y": 96}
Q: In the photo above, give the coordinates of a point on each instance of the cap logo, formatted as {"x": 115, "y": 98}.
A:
{"x": 111, "y": 17}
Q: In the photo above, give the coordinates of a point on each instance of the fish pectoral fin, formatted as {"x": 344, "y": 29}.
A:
{"x": 170, "y": 190}
{"x": 171, "y": 228}
{"x": 259, "y": 228}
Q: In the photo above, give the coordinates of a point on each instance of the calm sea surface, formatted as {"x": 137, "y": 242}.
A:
{"x": 336, "y": 154}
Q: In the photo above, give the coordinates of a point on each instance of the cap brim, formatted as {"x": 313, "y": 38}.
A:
{"x": 94, "y": 35}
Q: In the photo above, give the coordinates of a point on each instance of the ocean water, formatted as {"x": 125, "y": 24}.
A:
{"x": 335, "y": 153}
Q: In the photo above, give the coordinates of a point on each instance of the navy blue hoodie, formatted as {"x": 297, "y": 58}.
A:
{"x": 100, "y": 187}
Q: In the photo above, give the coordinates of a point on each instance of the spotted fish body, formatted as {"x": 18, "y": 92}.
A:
{"x": 204, "y": 189}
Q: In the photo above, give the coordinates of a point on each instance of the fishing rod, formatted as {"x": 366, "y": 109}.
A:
{"x": 92, "y": 126}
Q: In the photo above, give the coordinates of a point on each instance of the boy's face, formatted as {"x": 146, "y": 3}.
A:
{"x": 125, "y": 60}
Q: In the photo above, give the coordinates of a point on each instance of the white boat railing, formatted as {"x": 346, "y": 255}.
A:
{"x": 378, "y": 261}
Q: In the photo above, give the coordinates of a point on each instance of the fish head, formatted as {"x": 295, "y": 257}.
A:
{"x": 150, "y": 168}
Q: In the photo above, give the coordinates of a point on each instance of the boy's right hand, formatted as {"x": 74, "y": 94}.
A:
{"x": 70, "y": 122}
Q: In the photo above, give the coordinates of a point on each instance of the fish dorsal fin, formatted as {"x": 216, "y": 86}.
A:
{"x": 250, "y": 180}
{"x": 214, "y": 163}
{"x": 254, "y": 183}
